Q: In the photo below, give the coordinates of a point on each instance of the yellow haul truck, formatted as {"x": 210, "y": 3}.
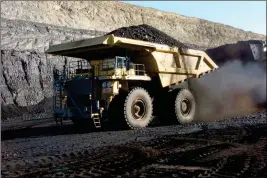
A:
{"x": 125, "y": 82}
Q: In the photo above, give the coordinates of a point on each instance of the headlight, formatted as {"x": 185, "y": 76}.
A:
{"x": 109, "y": 84}
{"x": 104, "y": 84}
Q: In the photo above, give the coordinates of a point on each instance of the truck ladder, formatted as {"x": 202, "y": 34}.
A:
{"x": 59, "y": 95}
{"x": 96, "y": 120}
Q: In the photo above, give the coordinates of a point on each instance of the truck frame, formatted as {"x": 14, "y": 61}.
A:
{"x": 125, "y": 82}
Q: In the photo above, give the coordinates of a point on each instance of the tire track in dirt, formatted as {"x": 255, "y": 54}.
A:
{"x": 229, "y": 152}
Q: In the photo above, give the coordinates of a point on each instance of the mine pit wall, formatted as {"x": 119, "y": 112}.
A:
{"x": 28, "y": 28}
{"x": 23, "y": 35}
{"x": 27, "y": 72}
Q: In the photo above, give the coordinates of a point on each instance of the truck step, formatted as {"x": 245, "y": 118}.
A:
{"x": 97, "y": 121}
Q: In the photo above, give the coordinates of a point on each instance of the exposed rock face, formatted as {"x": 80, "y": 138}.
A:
{"x": 27, "y": 77}
{"x": 22, "y": 35}
{"x": 27, "y": 72}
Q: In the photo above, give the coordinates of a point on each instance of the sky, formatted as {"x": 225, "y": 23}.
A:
{"x": 246, "y": 15}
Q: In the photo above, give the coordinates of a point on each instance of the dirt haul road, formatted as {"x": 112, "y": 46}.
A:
{"x": 208, "y": 150}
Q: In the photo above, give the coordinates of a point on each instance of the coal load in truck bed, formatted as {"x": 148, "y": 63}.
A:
{"x": 147, "y": 33}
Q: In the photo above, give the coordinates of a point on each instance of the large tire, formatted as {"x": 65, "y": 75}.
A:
{"x": 120, "y": 111}
{"x": 138, "y": 108}
{"x": 185, "y": 106}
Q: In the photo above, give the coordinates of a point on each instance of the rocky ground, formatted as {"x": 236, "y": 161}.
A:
{"x": 233, "y": 148}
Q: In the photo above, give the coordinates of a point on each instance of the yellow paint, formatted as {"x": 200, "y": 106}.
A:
{"x": 171, "y": 64}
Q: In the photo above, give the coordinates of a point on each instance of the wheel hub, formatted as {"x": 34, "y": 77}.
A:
{"x": 185, "y": 107}
{"x": 138, "y": 109}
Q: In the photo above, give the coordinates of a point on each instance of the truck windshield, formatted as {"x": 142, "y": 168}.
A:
{"x": 108, "y": 64}
{"x": 117, "y": 62}
{"x": 121, "y": 62}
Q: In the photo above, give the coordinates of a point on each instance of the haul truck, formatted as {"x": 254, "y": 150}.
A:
{"x": 120, "y": 81}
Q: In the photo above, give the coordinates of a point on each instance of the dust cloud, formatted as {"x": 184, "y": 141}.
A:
{"x": 234, "y": 89}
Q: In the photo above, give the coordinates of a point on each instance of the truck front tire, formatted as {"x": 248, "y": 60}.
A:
{"x": 138, "y": 108}
{"x": 130, "y": 110}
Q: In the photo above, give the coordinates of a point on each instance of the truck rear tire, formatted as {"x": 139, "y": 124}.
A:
{"x": 185, "y": 106}
{"x": 138, "y": 108}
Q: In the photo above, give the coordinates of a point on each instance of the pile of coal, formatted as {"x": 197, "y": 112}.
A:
{"x": 147, "y": 33}
{"x": 246, "y": 51}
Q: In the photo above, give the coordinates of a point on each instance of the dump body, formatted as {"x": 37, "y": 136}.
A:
{"x": 171, "y": 64}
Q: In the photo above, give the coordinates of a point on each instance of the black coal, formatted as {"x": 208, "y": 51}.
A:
{"x": 147, "y": 33}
